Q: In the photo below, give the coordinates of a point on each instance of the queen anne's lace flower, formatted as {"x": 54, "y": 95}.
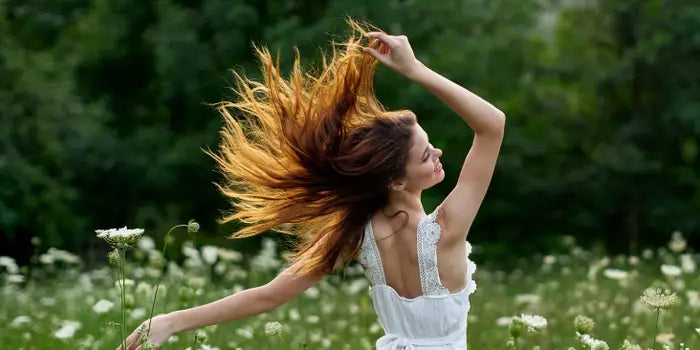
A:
{"x": 273, "y": 328}
{"x": 9, "y": 264}
{"x": 594, "y": 344}
{"x": 671, "y": 270}
{"x": 122, "y": 238}
{"x": 659, "y": 298}
{"x": 534, "y": 323}
{"x": 67, "y": 330}
{"x": 583, "y": 324}
{"x": 615, "y": 274}
{"x": 627, "y": 345}
{"x": 102, "y": 306}
{"x": 677, "y": 243}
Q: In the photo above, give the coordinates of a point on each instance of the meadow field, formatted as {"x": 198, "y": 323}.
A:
{"x": 59, "y": 303}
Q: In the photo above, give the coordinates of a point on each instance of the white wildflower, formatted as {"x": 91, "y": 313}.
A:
{"x": 229, "y": 255}
{"x": 615, "y": 274}
{"x": 534, "y": 323}
{"x": 504, "y": 321}
{"x": 120, "y": 237}
{"x": 127, "y": 283}
{"x": 627, "y": 345}
{"x": 62, "y": 256}
{"x": 583, "y": 324}
{"x": 209, "y": 254}
{"x": 659, "y": 298}
{"x": 687, "y": 263}
{"x": 312, "y": 292}
{"x": 245, "y": 333}
{"x": 46, "y": 259}
{"x": 102, "y": 306}
{"x": 138, "y": 313}
{"x": 15, "y": 278}
{"x": 549, "y": 259}
{"x": 266, "y": 259}
{"x": 20, "y": 320}
{"x": 677, "y": 243}
{"x": 671, "y": 270}
{"x": 273, "y": 328}
{"x": 208, "y": 347}
{"x": 67, "y": 330}
{"x": 356, "y": 286}
{"x": 146, "y": 244}
{"x": 527, "y": 299}
{"x": 594, "y": 344}
{"x": 294, "y": 315}
{"x": 9, "y": 264}
{"x": 693, "y": 298}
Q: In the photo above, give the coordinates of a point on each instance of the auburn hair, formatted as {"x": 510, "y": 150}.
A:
{"x": 312, "y": 156}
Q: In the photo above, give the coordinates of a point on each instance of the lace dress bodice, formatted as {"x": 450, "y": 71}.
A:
{"x": 437, "y": 319}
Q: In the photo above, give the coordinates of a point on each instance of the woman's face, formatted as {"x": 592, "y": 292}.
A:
{"x": 423, "y": 168}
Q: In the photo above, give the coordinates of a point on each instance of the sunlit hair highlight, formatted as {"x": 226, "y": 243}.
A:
{"x": 312, "y": 155}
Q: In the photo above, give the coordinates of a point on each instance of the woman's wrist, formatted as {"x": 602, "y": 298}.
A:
{"x": 416, "y": 71}
{"x": 173, "y": 323}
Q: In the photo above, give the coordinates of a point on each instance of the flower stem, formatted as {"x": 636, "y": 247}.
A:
{"x": 122, "y": 257}
{"x": 160, "y": 278}
{"x": 656, "y": 327}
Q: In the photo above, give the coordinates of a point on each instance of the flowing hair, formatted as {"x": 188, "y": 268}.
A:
{"x": 312, "y": 156}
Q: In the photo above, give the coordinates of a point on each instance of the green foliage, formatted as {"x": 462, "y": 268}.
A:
{"x": 104, "y": 110}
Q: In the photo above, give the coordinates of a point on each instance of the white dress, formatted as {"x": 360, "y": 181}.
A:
{"x": 437, "y": 319}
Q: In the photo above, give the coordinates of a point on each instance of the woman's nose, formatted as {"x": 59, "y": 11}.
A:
{"x": 438, "y": 152}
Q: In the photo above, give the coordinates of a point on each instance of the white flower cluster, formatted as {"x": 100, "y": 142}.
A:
{"x": 671, "y": 270}
{"x": 67, "y": 330}
{"x": 677, "y": 243}
{"x": 659, "y": 298}
{"x": 54, "y": 255}
{"x": 594, "y": 344}
{"x": 122, "y": 238}
{"x": 9, "y": 264}
{"x": 102, "y": 306}
{"x": 274, "y": 328}
{"x": 615, "y": 274}
{"x": 534, "y": 323}
{"x": 266, "y": 259}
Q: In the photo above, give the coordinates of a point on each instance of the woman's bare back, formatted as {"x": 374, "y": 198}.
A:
{"x": 399, "y": 255}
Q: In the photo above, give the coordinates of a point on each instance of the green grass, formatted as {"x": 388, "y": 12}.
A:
{"x": 337, "y": 313}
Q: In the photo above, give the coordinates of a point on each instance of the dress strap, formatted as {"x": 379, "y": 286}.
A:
{"x": 369, "y": 257}
{"x": 428, "y": 235}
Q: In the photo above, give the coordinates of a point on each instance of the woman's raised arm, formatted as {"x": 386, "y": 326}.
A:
{"x": 458, "y": 210}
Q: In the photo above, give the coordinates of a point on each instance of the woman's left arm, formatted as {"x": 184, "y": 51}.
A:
{"x": 245, "y": 303}
{"x": 242, "y": 304}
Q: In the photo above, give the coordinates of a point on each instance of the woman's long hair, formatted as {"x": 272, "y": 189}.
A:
{"x": 313, "y": 155}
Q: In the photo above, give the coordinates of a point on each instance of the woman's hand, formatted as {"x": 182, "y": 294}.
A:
{"x": 393, "y": 51}
{"x": 161, "y": 330}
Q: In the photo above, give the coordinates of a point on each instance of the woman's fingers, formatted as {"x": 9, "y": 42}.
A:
{"x": 379, "y": 46}
{"x": 384, "y": 37}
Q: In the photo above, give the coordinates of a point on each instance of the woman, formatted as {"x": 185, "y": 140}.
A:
{"x": 325, "y": 162}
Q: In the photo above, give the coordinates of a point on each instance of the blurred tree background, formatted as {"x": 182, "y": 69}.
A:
{"x": 104, "y": 112}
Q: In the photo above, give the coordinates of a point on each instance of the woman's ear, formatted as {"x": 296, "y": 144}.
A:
{"x": 397, "y": 186}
